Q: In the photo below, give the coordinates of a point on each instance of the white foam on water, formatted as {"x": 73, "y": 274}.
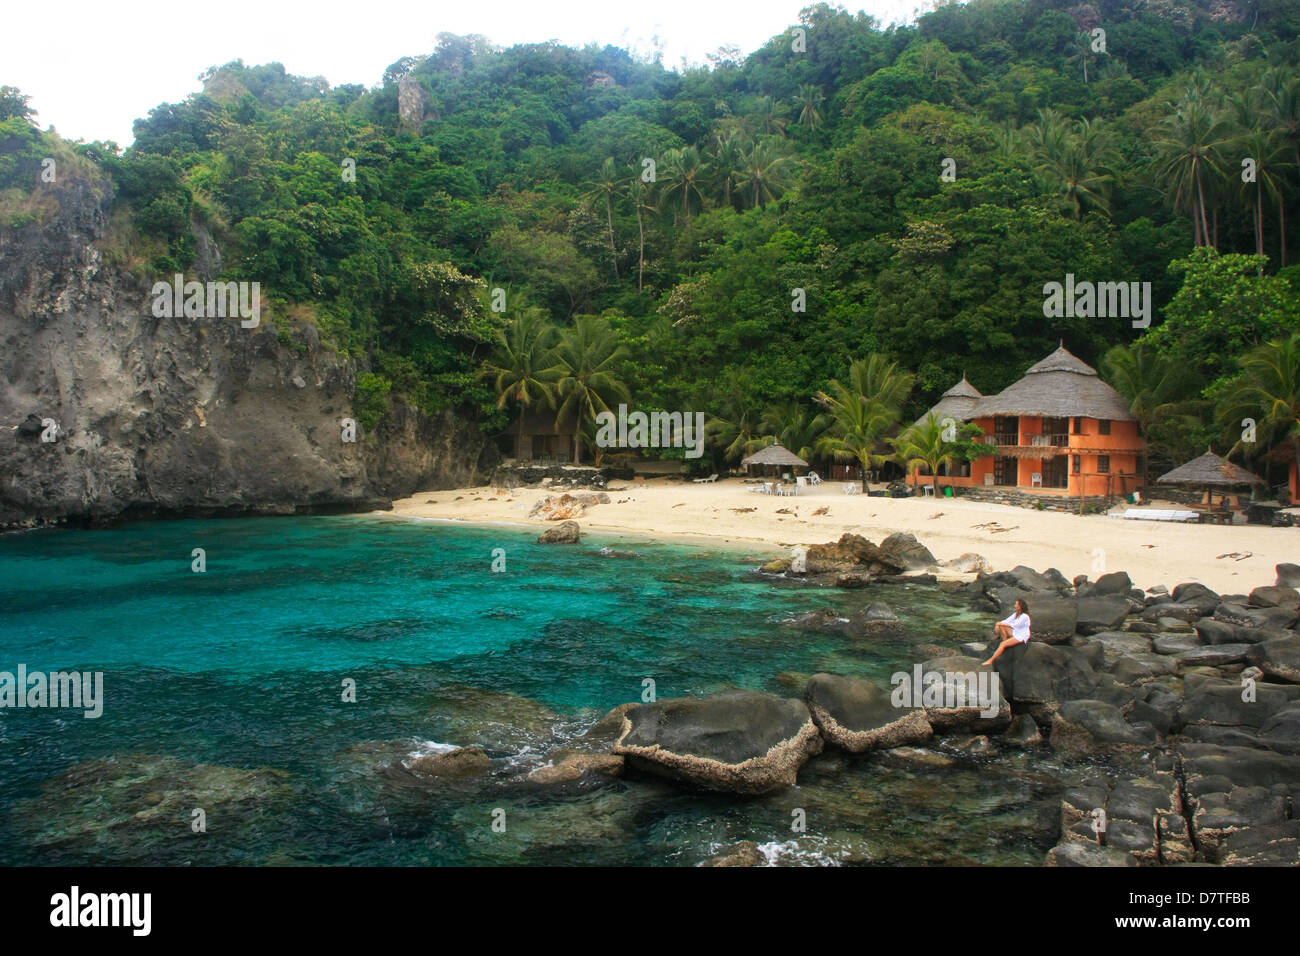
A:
{"x": 424, "y": 748}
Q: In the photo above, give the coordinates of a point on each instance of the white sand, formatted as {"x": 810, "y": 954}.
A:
{"x": 1228, "y": 559}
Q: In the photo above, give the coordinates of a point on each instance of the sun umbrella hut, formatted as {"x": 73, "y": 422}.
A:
{"x": 1210, "y": 472}
{"x": 772, "y": 457}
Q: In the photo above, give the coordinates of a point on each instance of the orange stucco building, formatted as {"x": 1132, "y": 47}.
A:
{"x": 1060, "y": 429}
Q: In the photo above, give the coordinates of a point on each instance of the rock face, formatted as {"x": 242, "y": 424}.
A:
{"x": 412, "y": 103}
{"x": 902, "y": 548}
{"x": 857, "y": 715}
{"x": 852, "y": 553}
{"x": 181, "y": 416}
{"x": 566, "y": 533}
{"x": 738, "y": 742}
{"x": 463, "y": 762}
{"x": 567, "y": 506}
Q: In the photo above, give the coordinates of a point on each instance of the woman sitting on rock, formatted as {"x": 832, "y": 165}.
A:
{"x": 1012, "y": 631}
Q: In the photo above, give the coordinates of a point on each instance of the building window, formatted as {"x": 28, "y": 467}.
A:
{"x": 1074, "y": 464}
{"x": 1103, "y": 463}
{"x": 1103, "y": 426}
{"x": 1078, "y": 426}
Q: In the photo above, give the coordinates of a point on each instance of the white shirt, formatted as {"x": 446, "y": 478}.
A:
{"x": 1019, "y": 624}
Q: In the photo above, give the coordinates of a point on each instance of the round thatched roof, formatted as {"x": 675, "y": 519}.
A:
{"x": 957, "y": 403}
{"x": 1210, "y": 469}
{"x": 773, "y": 455}
{"x": 1060, "y": 386}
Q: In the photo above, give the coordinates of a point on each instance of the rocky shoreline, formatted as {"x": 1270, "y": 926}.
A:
{"x": 1188, "y": 700}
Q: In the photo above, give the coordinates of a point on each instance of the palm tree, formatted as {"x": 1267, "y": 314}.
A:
{"x": 585, "y": 362}
{"x": 1083, "y": 52}
{"x": 724, "y": 167}
{"x": 1188, "y": 159}
{"x": 685, "y": 175}
{"x": 863, "y": 411}
{"x": 764, "y": 173}
{"x": 737, "y": 428}
{"x": 1157, "y": 387}
{"x": 1077, "y": 164}
{"x": 1268, "y": 391}
{"x": 808, "y": 102}
{"x": 521, "y": 369}
{"x": 643, "y": 200}
{"x": 924, "y": 444}
{"x": 604, "y": 188}
{"x": 771, "y": 116}
{"x": 794, "y": 426}
{"x": 1282, "y": 110}
{"x": 1272, "y": 164}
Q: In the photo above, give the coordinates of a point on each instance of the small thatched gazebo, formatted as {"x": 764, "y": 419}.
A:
{"x": 773, "y": 456}
{"x": 1210, "y": 472}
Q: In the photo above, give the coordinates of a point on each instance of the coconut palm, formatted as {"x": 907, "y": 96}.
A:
{"x": 924, "y": 444}
{"x": 1269, "y": 392}
{"x": 1077, "y": 165}
{"x": 724, "y": 167}
{"x": 605, "y": 188}
{"x": 683, "y": 181}
{"x": 1159, "y": 388}
{"x": 1188, "y": 158}
{"x": 522, "y": 368}
{"x": 736, "y": 428}
{"x": 770, "y": 116}
{"x": 1273, "y": 166}
{"x": 794, "y": 426}
{"x": 764, "y": 173}
{"x": 643, "y": 201}
{"x": 863, "y": 411}
{"x": 1083, "y": 52}
{"x": 808, "y": 102}
{"x": 585, "y": 360}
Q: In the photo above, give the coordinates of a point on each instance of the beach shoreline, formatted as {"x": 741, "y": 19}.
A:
{"x": 726, "y": 516}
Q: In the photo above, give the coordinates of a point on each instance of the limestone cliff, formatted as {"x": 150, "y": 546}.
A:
{"x": 187, "y": 416}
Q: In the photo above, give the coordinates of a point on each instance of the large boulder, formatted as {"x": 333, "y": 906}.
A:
{"x": 1196, "y": 594}
{"x": 1115, "y": 584}
{"x": 1255, "y": 617}
{"x": 562, "y": 508}
{"x": 1274, "y": 597}
{"x": 1100, "y": 613}
{"x": 1288, "y": 576}
{"x": 851, "y": 553}
{"x": 1092, "y": 726}
{"x": 903, "y": 548}
{"x": 738, "y": 742}
{"x": 876, "y": 620}
{"x": 1279, "y": 658}
{"x": 1041, "y": 673}
{"x": 461, "y": 762}
{"x": 858, "y": 715}
{"x": 968, "y": 563}
{"x": 1053, "y": 617}
{"x": 962, "y": 696}
{"x": 566, "y": 533}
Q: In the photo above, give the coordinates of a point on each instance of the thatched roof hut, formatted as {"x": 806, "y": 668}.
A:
{"x": 1060, "y": 386}
{"x": 1210, "y": 471}
{"x": 774, "y": 455}
{"x": 955, "y": 403}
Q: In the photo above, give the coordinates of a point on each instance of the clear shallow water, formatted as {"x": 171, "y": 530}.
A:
{"x": 223, "y": 692}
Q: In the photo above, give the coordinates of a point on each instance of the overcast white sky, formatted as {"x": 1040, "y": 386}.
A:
{"x": 91, "y": 68}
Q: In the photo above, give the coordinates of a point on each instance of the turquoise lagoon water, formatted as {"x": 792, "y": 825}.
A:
{"x": 223, "y": 692}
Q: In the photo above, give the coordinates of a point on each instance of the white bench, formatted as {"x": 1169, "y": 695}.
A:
{"x": 1144, "y": 514}
{"x": 706, "y": 481}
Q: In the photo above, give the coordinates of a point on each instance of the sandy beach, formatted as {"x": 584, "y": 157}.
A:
{"x": 1228, "y": 559}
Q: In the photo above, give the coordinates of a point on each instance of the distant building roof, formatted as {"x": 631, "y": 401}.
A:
{"x": 955, "y": 403}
